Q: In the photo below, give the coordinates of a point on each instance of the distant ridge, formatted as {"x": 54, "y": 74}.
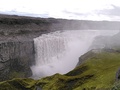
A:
{"x": 14, "y": 25}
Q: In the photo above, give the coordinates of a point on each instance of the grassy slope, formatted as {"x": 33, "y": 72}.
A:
{"x": 104, "y": 67}
{"x": 96, "y": 73}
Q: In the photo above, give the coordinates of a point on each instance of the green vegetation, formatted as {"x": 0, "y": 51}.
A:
{"x": 18, "y": 84}
{"x": 96, "y": 73}
{"x": 15, "y": 74}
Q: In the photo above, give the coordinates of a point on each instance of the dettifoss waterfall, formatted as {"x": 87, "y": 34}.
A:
{"x": 59, "y": 52}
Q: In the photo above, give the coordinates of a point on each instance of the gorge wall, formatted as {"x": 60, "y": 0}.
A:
{"x": 16, "y": 57}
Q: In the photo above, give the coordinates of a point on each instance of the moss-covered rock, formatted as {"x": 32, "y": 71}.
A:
{"x": 18, "y": 84}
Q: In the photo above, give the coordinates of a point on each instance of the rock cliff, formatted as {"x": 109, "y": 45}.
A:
{"x": 16, "y": 57}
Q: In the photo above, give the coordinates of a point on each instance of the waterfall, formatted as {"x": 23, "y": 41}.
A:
{"x": 49, "y": 47}
{"x": 58, "y": 52}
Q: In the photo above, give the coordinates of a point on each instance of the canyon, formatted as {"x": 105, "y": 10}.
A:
{"x": 26, "y": 40}
{"x": 17, "y": 34}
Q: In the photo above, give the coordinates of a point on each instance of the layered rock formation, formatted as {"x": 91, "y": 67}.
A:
{"x": 16, "y": 57}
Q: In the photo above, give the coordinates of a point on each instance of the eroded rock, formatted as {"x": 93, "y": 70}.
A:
{"x": 16, "y": 57}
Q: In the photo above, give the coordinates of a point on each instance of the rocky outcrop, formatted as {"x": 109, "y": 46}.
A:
{"x": 16, "y": 57}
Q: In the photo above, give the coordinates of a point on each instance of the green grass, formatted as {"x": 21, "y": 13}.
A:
{"x": 104, "y": 67}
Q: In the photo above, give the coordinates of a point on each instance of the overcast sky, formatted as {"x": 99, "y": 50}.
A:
{"x": 69, "y": 9}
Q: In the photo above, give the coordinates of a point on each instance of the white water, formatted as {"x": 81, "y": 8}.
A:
{"x": 59, "y": 52}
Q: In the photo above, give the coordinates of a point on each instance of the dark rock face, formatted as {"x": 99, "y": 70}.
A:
{"x": 16, "y": 57}
{"x": 118, "y": 75}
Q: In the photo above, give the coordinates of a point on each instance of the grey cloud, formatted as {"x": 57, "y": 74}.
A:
{"x": 111, "y": 12}
{"x": 13, "y": 12}
{"x": 75, "y": 13}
